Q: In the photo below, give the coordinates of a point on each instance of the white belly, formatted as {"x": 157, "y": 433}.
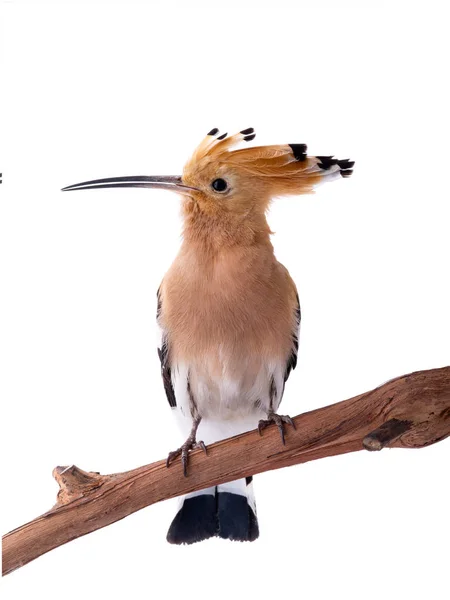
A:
{"x": 230, "y": 401}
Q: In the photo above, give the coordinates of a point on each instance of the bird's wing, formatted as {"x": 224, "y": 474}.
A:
{"x": 163, "y": 353}
{"x": 292, "y": 360}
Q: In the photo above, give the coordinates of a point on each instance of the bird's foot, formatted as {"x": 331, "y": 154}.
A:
{"x": 279, "y": 421}
{"x": 189, "y": 445}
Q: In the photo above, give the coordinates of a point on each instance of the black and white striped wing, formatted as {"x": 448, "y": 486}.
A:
{"x": 163, "y": 353}
{"x": 292, "y": 360}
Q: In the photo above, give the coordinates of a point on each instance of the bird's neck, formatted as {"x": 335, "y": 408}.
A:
{"x": 211, "y": 234}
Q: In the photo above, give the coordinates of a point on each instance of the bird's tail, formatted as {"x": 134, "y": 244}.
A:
{"x": 227, "y": 511}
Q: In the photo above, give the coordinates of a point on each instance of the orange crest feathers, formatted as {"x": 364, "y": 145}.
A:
{"x": 282, "y": 169}
{"x": 214, "y": 145}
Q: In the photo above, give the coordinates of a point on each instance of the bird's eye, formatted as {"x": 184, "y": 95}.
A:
{"x": 220, "y": 185}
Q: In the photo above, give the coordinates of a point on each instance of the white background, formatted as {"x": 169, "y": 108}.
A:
{"x": 96, "y": 90}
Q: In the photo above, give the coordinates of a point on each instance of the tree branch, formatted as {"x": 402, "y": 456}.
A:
{"x": 412, "y": 411}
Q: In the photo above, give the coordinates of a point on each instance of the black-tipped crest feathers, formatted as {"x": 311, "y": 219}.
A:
{"x": 299, "y": 151}
{"x": 281, "y": 169}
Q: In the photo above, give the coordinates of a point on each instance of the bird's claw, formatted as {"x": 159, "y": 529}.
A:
{"x": 279, "y": 421}
{"x": 188, "y": 446}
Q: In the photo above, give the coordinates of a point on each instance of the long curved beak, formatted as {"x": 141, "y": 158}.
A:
{"x": 165, "y": 182}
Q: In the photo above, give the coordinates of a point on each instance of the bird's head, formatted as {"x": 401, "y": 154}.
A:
{"x": 221, "y": 181}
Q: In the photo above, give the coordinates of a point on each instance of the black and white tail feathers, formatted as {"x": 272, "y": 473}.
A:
{"x": 227, "y": 511}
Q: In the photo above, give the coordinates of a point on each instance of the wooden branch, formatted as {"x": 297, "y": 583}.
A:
{"x": 412, "y": 411}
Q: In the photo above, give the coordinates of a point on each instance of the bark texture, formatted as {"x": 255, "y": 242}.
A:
{"x": 412, "y": 411}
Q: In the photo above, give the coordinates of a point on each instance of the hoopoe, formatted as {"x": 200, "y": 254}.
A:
{"x": 228, "y": 311}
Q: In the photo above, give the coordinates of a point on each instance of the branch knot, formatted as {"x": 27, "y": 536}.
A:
{"x": 74, "y": 483}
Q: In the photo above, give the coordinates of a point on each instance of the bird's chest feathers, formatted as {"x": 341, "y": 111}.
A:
{"x": 225, "y": 304}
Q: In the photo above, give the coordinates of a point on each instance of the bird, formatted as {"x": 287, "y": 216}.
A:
{"x": 228, "y": 312}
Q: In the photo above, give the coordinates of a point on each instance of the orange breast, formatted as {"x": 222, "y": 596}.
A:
{"x": 233, "y": 308}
